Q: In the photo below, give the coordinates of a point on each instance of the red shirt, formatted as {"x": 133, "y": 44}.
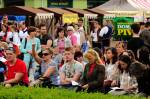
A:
{"x": 19, "y": 67}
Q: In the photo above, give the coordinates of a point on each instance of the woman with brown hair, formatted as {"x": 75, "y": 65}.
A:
{"x": 126, "y": 83}
{"x": 94, "y": 73}
{"x": 61, "y": 41}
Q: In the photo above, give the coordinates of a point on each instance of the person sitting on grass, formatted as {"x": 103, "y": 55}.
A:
{"x": 71, "y": 70}
{"x": 142, "y": 74}
{"x": 111, "y": 67}
{"x": 78, "y": 56}
{"x": 94, "y": 73}
{"x": 125, "y": 82}
{"x": 49, "y": 69}
{"x": 16, "y": 72}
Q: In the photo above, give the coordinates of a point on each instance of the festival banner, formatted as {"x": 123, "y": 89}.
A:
{"x": 70, "y": 18}
{"x": 123, "y": 28}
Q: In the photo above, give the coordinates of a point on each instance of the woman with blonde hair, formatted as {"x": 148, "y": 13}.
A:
{"x": 94, "y": 73}
{"x": 121, "y": 47}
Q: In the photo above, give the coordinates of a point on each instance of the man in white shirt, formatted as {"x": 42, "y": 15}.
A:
{"x": 103, "y": 31}
{"x": 106, "y": 33}
{"x": 81, "y": 31}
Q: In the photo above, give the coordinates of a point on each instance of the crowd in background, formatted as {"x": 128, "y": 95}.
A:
{"x": 30, "y": 56}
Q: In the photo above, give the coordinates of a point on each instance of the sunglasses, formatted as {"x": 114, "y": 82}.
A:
{"x": 11, "y": 49}
{"x": 45, "y": 54}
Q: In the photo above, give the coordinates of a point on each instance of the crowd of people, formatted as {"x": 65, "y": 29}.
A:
{"x": 30, "y": 56}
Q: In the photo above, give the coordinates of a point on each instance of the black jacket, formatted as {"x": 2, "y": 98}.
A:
{"x": 144, "y": 83}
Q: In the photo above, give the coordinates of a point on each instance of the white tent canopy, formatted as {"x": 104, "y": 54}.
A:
{"x": 117, "y": 5}
{"x": 119, "y": 8}
{"x": 140, "y": 4}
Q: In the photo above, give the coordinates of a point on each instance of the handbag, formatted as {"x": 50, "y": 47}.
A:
{"x": 21, "y": 56}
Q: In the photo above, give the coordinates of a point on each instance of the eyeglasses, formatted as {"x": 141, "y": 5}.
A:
{"x": 45, "y": 54}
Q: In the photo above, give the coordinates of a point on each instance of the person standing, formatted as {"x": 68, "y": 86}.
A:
{"x": 106, "y": 33}
{"x": 96, "y": 40}
{"x": 23, "y": 33}
{"x": 26, "y": 49}
{"x": 135, "y": 42}
{"x": 144, "y": 51}
{"x": 45, "y": 39}
{"x": 13, "y": 37}
{"x": 71, "y": 35}
{"x": 81, "y": 31}
{"x": 61, "y": 41}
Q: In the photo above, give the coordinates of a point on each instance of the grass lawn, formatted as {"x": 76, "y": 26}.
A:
{"x": 45, "y": 93}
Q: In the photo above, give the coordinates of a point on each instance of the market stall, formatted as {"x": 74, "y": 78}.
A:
{"x": 61, "y": 13}
{"x": 61, "y": 17}
{"x": 87, "y": 16}
{"x": 33, "y": 16}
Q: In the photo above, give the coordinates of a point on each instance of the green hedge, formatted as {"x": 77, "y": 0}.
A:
{"x": 45, "y": 93}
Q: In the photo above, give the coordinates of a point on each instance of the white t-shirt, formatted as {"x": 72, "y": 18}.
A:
{"x": 23, "y": 34}
{"x": 15, "y": 36}
{"x": 16, "y": 39}
{"x": 81, "y": 30}
{"x": 94, "y": 36}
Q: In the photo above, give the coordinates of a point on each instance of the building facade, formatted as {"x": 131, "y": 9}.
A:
{"x": 1, "y": 3}
{"x": 94, "y": 3}
{"x": 82, "y": 4}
